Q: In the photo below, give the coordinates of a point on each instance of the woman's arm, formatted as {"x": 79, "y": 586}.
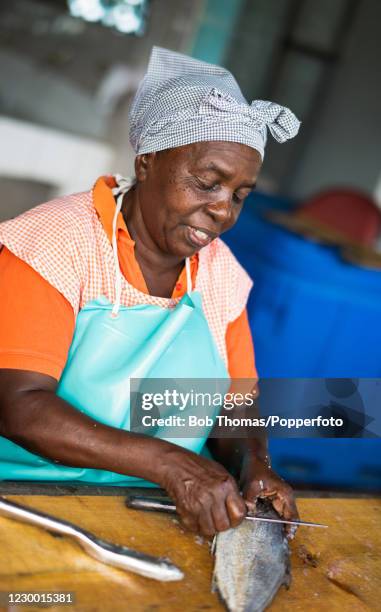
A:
{"x": 33, "y": 416}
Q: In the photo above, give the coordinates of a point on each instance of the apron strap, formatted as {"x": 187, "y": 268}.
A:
{"x": 123, "y": 185}
{"x": 189, "y": 276}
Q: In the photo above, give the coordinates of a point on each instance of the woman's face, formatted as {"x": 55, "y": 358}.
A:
{"x": 190, "y": 195}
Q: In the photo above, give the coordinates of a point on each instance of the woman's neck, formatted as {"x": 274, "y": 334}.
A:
{"x": 160, "y": 270}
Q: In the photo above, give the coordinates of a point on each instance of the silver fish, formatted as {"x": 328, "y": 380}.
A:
{"x": 251, "y": 562}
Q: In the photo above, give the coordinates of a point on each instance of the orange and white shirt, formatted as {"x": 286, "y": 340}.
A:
{"x": 58, "y": 256}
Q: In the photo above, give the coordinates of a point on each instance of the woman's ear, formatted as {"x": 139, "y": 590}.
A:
{"x": 143, "y": 166}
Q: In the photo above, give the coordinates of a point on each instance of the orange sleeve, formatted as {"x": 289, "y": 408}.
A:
{"x": 240, "y": 348}
{"x": 36, "y": 321}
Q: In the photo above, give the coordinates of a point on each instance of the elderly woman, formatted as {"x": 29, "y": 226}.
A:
{"x": 105, "y": 286}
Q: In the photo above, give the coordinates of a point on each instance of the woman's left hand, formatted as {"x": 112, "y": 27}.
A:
{"x": 259, "y": 480}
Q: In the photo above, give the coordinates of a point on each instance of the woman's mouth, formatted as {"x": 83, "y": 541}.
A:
{"x": 198, "y": 237}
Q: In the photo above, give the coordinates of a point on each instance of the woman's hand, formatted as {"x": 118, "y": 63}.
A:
{"x": 206, "y": 495}
{"x": 259, "y": 480}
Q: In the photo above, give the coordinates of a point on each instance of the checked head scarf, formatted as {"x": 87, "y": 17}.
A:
{"x": 182, "y": 100}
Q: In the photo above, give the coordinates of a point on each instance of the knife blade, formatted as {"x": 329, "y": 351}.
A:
{"x": 160, "y": 504}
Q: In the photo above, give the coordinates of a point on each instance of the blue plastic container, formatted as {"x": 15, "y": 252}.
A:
{"x": 312, "y": 315}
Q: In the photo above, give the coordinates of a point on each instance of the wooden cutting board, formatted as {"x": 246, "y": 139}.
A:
{"x": 333, "y": 569}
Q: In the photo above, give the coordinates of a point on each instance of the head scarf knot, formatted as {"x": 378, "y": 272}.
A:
{"x": 280, "y": 121}
{"x": 182, "y": 100}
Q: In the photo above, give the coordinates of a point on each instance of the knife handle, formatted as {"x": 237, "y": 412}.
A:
{"x": 150, "y": 504}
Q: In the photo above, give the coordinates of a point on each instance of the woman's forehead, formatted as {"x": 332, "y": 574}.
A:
{"x": 215, "y": 154}
{"x": 225, "y": 159}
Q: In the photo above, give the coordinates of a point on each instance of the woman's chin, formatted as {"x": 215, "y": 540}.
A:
{"x": 183, "y": 251}
{"x": 182, "y": 248}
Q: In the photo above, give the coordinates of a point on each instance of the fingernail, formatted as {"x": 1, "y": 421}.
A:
{"x": 291, "y": 532}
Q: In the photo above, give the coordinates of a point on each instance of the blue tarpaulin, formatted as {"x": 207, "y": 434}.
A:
{"x": 312, "y": 315}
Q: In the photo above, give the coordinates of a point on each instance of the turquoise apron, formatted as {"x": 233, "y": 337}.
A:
{"x": 113, "y": 344}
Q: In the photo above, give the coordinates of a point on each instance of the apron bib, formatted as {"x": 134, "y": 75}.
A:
{"x": 113, "y": 344}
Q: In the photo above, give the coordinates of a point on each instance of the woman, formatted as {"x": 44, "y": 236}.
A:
{"x": 104, "y": 287}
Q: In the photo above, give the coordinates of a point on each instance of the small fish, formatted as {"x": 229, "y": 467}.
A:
{"x": 251, "y": 562}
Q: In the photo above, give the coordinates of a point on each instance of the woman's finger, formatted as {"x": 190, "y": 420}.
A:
{"x": 259, "y": 488}
{"x": 236, "y": 509}
{"x": 220, "y": 516}
{"x": 205, "y": 523}
{"x": 279, "y": 505}
{"x": 290, "y": 511}
{"x": 188, "y": 520}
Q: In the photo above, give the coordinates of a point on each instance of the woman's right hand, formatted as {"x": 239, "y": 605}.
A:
{"x": 206, "y": 496}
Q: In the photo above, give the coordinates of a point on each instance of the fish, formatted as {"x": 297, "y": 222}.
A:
{"x": 252, "y": 561}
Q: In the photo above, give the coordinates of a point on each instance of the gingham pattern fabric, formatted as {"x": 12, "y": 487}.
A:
{"x": 64, "y": 241}
{"x": 182, "y": 100}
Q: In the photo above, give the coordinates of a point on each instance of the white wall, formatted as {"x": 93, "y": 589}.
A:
{"x": 346, "y": 144}
{"x": 38, "y": 95}
{"x": 32, "y": 152}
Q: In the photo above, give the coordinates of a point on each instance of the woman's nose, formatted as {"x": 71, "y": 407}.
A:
{"x": 220, "y": 211}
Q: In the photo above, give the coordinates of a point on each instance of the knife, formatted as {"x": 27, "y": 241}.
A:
{"x": 105, "y": 552}
{"x": 162, "y": 504}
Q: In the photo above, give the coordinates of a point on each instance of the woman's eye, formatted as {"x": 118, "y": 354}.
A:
{"x": 237, "y": 199}
{"x": 207, "y": 187}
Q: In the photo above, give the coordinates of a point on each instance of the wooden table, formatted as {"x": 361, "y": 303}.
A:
{"x": 333, "y": 569}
